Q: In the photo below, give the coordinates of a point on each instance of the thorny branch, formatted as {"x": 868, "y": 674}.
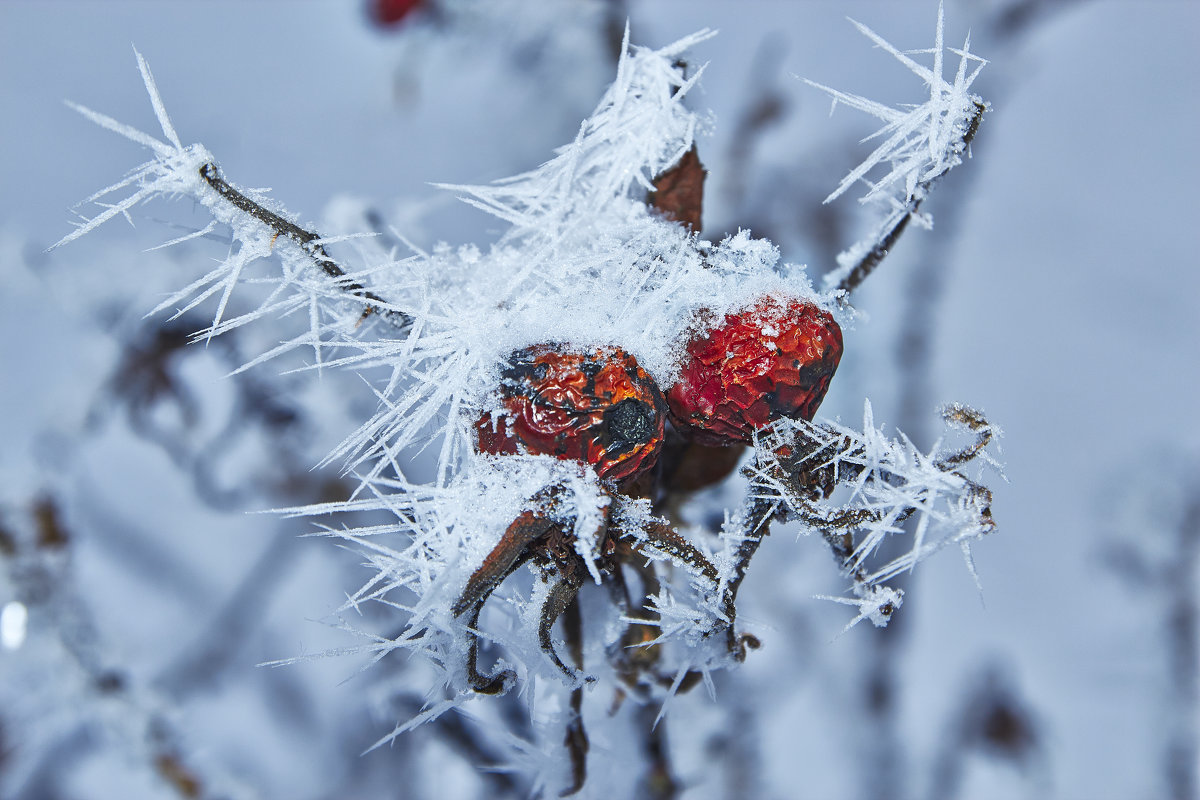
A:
{"x": 1157, "y": 552}
{"x": 751, "y": 527}
{"x": 469, "y": 742}
{"x": 993, "y": 719}
{"x": 974, "y": 421}
{"x": 575, "y": 738}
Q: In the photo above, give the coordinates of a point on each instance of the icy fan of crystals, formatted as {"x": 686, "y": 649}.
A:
{"x": 638, "y": 130}
{"x": 920, "y": 144}
{"x": 873, "y": 486}
{"x": 923, "y": 141}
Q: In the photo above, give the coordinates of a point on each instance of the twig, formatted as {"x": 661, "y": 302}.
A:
{"x": 895, "y": 224}
{"x": 576, "y": 738}
{"x": 207, "y": 660}
{"x": 309, "y": 242}
{"x": 659, "y": 782}
{"x": 762, "y": 503}
{"x": 466, "y": 740}
{"x": 974, "y": 421}
{"x": 41, "y": 571}
{"x": 1183, "y": 655}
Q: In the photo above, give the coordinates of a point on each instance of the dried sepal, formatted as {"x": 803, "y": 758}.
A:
{"x": 679, "y": 191}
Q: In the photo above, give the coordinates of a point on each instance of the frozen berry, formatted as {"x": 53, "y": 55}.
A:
{"x": 774, "y": 359}
{"x": 387, "y": 13}
{"x": 599, "y": 407}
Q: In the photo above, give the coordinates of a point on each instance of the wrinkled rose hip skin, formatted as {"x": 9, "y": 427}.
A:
{"x": 599, "y": 407}
{"x": 772, "y": 360}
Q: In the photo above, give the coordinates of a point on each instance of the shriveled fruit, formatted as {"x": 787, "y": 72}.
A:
{"x": 774, "y": 359}
{"x": 594, "y": 406}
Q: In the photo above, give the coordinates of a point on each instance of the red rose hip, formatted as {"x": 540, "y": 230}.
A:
{"x": 774, "y": 359}
{"x": 599, "y": 407}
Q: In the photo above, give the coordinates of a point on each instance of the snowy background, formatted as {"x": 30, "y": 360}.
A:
{"x": 1057, "y": 291}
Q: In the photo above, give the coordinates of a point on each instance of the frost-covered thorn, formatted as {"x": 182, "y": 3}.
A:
{"x": 160, "y": 109}
{"x": 876, "y": 603}
{"x": 559, "y": 599}
{"x": 510, "y": 553}
{"x": 660, "y": 536}
{"x": 536, "y": 535}
{"x": 499, "y": 682}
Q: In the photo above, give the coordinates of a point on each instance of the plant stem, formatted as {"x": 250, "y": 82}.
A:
{"x": 309, "y": 242}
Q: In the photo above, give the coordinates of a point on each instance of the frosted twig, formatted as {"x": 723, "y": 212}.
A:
{"x": 173, "y": 171}
{"x": 866, "y": 255}
{"x": 888, "y": 481}
{"x": 921, "y": 144}
{"x": 309, "y": 242}
{"x": 744, "y": 533}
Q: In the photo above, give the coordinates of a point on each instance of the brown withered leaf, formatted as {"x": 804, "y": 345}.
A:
{"x": 679, "y": 192}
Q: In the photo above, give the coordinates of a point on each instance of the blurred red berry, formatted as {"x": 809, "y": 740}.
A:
{"x": 387, "y": 13}
{"x": 599, "y": 407}
{"x": 774, "y": 359}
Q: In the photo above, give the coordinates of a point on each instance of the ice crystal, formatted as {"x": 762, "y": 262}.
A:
{"x": 921, "y": 142}
{"x": 878, "y": 484}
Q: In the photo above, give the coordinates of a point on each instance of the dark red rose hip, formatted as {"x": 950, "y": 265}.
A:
{"x": 599, "y": 407}
{"x": 774, "y": 359}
